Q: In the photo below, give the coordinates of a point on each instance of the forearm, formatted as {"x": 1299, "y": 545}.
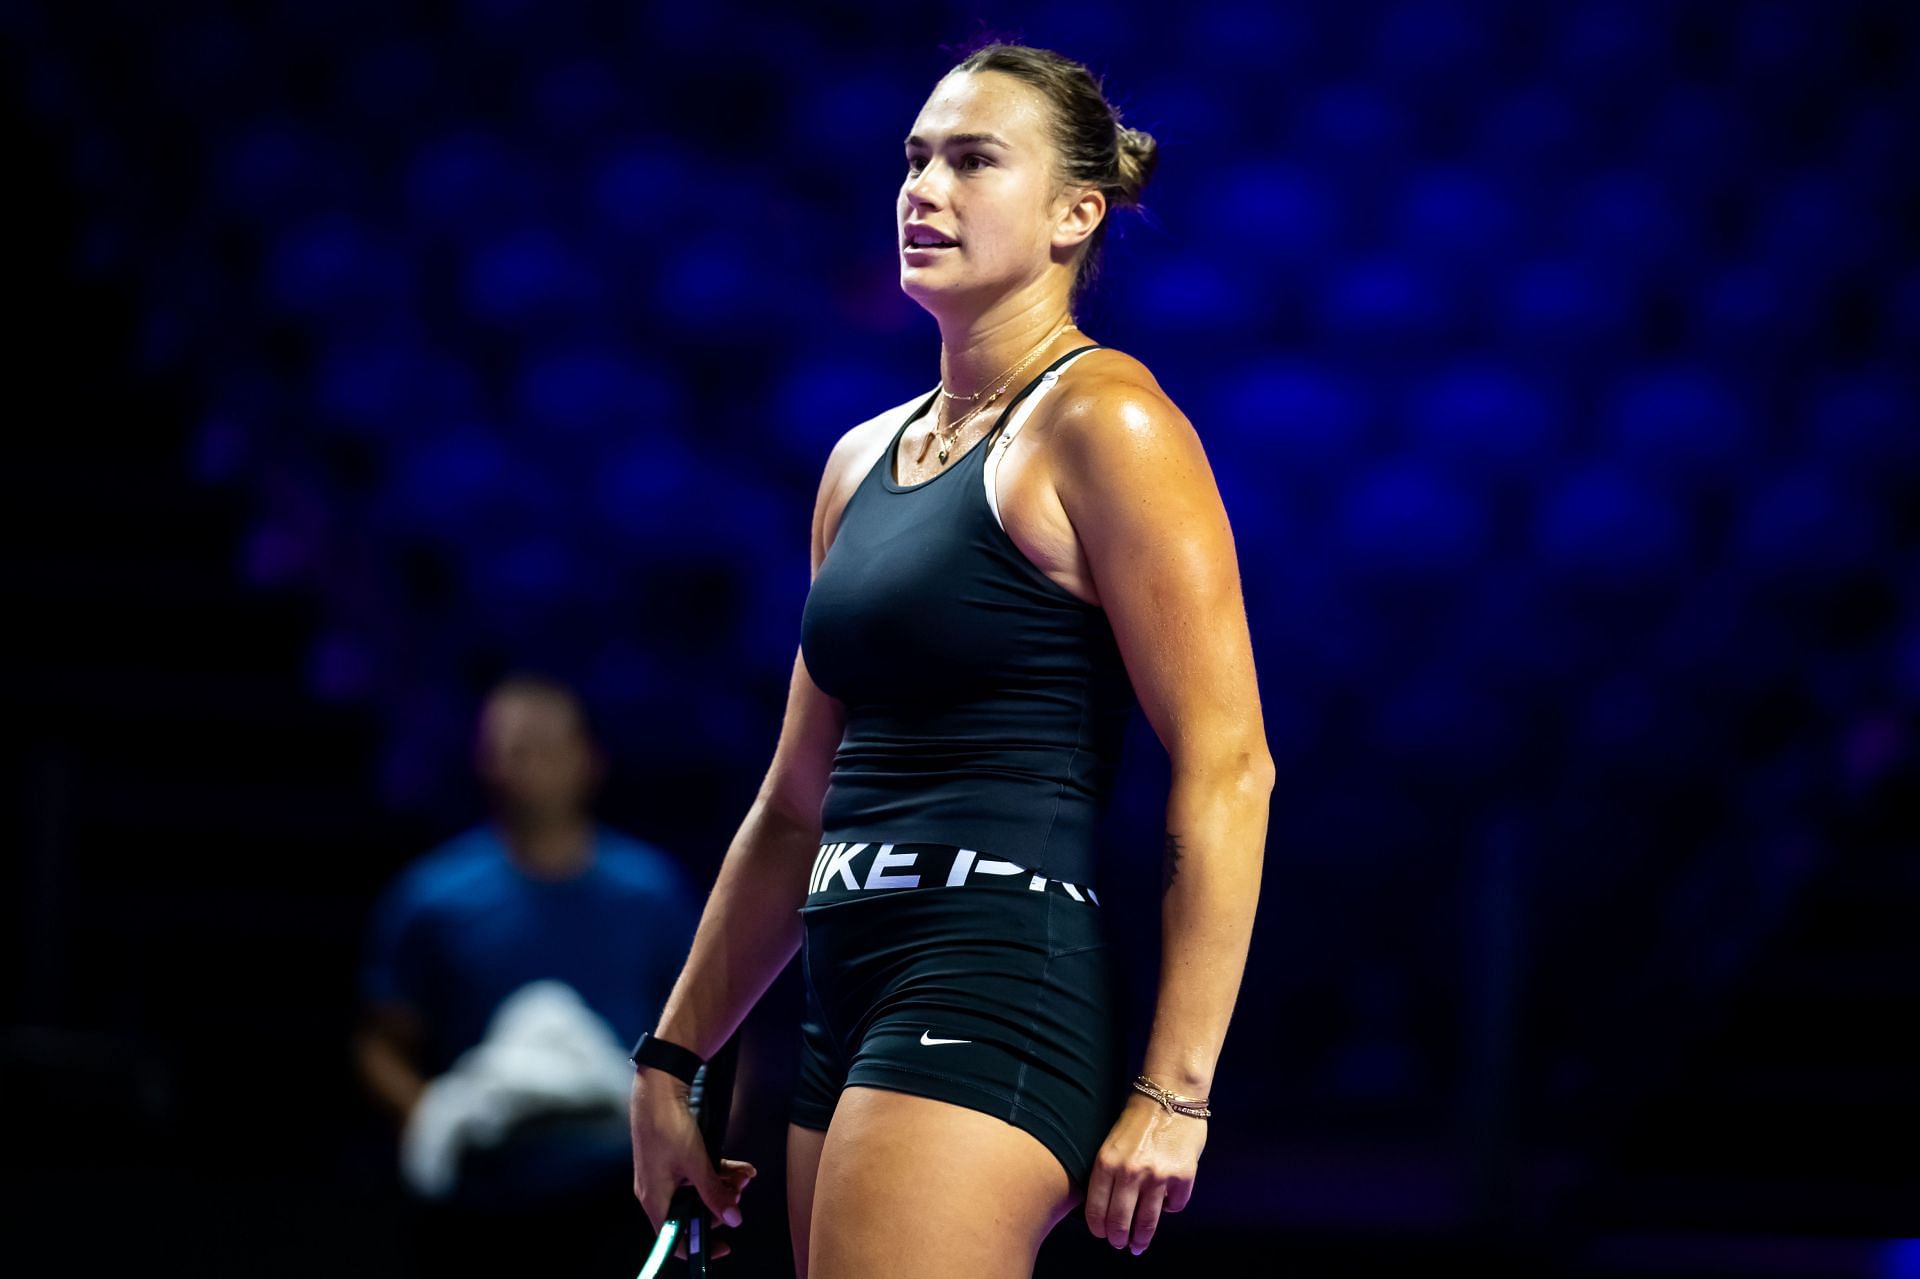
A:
{"x": 388, "y": 1074}
{"x": 748, "y": 931}
{"x": 1215, "y": 841}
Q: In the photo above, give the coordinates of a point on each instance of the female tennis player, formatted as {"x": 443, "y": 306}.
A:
{"x": 1001, "y": 568}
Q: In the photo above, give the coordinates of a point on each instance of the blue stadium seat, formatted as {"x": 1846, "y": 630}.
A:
{"x": 1803, "y": 520}
{"x": 1402, "y": 519}
{"x": 1529, "y": 133}
{"x": 1602, "y": 525}
{"x": 1455, "y": 216}
{"x": 1485, "y": 420}
{"x": 525, "y": 276}
{"x": 448, "y": 485}
{"x": 1746, "y": 310}
{"x": 1568, "y": 306}
{"x": 1433, "y": 45}
{"x": 595, "y": 387}
{"x": 1633, "y": 223}
{"x": 1353, "y": 127}
{"x": 1439, "y": 716}
{"x": 1297, "y": 416}
{"x": 332, "y": 264}
{"x": 1611, "y": 42}
{"x": 639, "y": 185}
{"x": 466, "y": 185}
{"x": 1867, "y": 422}
{"x": 1386, "y": 302}
{"x": 1284, "y": 213}
{"x": 1815, "y": 224}
{"x": 1683, "y": 422}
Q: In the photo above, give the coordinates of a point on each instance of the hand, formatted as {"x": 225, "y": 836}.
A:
{"x": 669, "y": 1152}
{"x": 1146, "y": 1164}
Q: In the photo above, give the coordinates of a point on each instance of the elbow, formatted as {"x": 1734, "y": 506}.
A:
{"x": 1248, "y": 772}
{"x": 1257, "y": 775}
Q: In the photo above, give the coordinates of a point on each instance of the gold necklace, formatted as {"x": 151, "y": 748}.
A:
{"x": 977, "y": 394}
{"x": 1006, "y": 380}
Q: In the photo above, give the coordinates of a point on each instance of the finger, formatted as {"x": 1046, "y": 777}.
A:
{"x": 737, "y": 1173}
{"x": 721, "y": 1196}
{"x": 1146, "y": 1217}
{"x": 1178, "y": 1192}
{"x": 1099, "y": 1192}
{"x": 1126, "y": 1192}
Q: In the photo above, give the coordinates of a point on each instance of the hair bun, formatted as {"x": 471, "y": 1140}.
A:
{"x": 1139, "y": 154}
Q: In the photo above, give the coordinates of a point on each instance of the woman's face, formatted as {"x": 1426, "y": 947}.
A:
{"x": 980, "y": 173}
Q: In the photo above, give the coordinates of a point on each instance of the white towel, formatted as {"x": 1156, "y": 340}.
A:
{"x": 545, "y": 1050}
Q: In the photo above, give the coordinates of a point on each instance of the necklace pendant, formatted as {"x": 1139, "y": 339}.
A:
{"x": 943, "y": 455}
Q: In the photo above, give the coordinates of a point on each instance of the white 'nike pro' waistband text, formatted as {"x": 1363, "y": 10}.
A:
{"x": 844, "y": 868}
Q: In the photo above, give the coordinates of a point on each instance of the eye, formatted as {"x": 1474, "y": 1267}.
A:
{"x": 914, "y": 162}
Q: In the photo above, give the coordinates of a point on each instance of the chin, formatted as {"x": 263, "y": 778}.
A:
{"x": 934, "y": 291}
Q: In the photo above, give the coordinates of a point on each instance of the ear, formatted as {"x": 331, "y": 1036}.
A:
{"x": 1080, "y": 215}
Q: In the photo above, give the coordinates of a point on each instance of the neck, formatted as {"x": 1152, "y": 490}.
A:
{"x": 553, "y": 846}
{"x": 977, "y": 349}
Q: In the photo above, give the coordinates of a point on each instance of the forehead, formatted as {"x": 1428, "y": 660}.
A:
{"x": 525, "y": 710}
{"x": 983, "y": 102}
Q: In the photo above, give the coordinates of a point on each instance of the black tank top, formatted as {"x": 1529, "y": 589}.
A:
{"x": 986, "y": 703}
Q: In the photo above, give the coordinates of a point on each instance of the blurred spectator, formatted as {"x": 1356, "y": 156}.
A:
{"x": 506, "y": 974}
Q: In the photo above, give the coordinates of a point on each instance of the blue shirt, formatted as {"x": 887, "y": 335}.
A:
{"x": 464, "y": 927}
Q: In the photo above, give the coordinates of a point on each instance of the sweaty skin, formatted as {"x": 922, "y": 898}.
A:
{"x": 1108, "y": 491}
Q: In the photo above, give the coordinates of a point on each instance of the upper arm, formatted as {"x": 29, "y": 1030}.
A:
{"x": 1134, "y": 480}
{"x": 394, "y": 961}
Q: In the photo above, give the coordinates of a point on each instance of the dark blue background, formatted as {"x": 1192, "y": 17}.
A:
{"x": 1557, "y": 367}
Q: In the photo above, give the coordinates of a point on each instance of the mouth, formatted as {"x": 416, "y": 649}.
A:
{"x": 922, "y": 240}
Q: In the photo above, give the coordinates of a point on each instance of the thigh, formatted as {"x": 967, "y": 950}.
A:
{"x": 913, "y": 1187}
{"x": 803, "y": 1168}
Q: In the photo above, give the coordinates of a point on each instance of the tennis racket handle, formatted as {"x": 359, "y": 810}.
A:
{"x": 686, "y": 1204}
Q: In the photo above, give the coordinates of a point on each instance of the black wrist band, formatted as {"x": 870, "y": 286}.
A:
{"x": 665, "y": 1055}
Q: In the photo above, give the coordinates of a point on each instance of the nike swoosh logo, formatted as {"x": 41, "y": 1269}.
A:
{"x": 926, "y": 1037}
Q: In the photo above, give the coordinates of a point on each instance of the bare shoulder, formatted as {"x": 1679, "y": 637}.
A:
{"x": 1114, "y": 424}
{"x": 848, "y": 462}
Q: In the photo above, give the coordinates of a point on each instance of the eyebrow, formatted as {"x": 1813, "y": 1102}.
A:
{"x": 960, "y": 139}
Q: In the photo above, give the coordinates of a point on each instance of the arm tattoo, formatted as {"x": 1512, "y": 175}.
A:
{"x": 1170, "y": 863}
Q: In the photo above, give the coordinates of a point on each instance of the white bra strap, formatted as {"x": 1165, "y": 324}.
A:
{"x": 991, "y": 470}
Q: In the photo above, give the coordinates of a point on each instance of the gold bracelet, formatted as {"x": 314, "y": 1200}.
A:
{"x": 1192, "y": 1107}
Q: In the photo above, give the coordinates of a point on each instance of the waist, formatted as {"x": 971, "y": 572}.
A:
{"x": 844, "y": 870}
{"x": 1039, "y": 813}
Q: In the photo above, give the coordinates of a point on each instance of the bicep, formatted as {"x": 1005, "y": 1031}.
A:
{"x": 1149, "y": 517}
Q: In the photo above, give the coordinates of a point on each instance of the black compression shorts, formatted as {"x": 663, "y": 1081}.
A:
{"x": 952, "y": 974}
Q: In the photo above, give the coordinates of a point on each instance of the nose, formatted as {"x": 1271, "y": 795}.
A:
{"x": 920, "y": 191}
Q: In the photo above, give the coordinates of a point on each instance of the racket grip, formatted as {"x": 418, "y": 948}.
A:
{"x": 685, "y": 1204}
{"x": 712, "y": 1103}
